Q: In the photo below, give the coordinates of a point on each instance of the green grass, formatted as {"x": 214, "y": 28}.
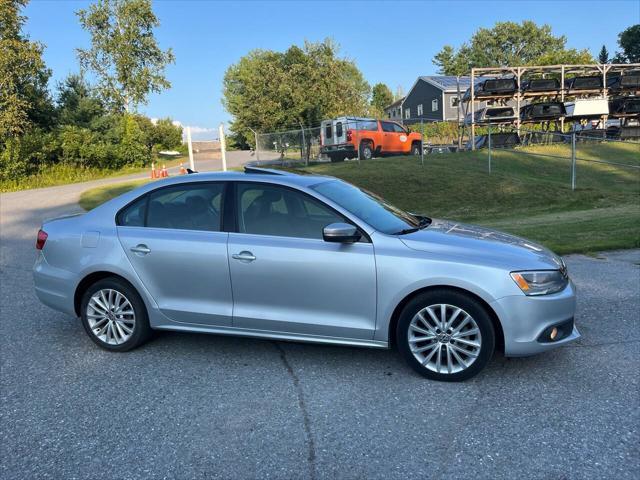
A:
{"x": 63, "y": 174}
{"x": 93, "y": 197}
{"x": 526, "y": 194}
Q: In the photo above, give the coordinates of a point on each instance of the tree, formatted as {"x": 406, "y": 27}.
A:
{"x": 269, "y": 91}
{"x": 629, "y": 42}
{"x": 124, "y": 52}
{"x": 603, "y": 56}
{"x": 24, "y": 99}
{"x": 509, "y": 44}
{"x": 77, "y": 104}
{"x": 381, "y": 97}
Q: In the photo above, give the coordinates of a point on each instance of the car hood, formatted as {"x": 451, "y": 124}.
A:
{"x": 482, "y": 245}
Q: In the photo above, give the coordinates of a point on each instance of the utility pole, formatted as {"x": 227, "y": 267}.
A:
{"x": 223, "y": 147}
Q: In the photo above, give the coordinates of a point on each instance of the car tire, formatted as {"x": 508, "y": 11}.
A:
{"x": 464, "y": 346}
{"x": 114, "y": 316}
{"x": 336, "y": 157}
{"x": 366, "y": 151}
{"x": 415, "y": 150}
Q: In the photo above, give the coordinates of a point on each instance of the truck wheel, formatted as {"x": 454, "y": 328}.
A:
{"x": 366, "y": 151}
{"x": 336, "y": 157}
{"x": 415, "y": 149}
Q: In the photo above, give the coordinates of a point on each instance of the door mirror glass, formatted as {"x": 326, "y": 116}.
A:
{"x": 341, "y": 233}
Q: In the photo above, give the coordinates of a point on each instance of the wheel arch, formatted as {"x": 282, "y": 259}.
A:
{"x": 395, "y": 316}
{"x": 92, "y": 278}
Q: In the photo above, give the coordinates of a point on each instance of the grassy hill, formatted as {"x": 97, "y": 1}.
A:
{"x": 527, "y": 193}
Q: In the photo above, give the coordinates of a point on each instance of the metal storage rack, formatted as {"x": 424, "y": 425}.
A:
{"x": 561, "y": 94}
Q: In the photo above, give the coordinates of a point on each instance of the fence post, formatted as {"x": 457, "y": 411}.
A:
{"x": 358, "y": 141}
{"x": 190, "y": 147}
{"x": 573, "y": 160}
{"x": 223, "y": 147}
{"x": 304, "y": 146}
{"x": 422, "y": 141}
{"x": 255, "y": 136}
{"x": 489, "y": 139}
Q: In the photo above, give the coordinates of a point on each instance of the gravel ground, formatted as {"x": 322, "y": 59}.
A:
{"x": 199, "y": 406}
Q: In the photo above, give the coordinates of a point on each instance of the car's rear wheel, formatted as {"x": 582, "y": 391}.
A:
{"x": 445, "y": 335}
{"x": 114, "y": 316}
{"x": 366, "y": 151}
{"x": 336, "y": 157}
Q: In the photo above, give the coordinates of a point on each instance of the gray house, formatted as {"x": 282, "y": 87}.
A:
{"x": 394, "y": 111}
{"x": 433, "y": 99}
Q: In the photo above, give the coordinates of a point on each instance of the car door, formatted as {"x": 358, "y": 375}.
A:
{"x": 173, "y": 239}
{"x": 401, "y": 139}
{"x": 389, "y": 137}
{"x": 286, "y": 278}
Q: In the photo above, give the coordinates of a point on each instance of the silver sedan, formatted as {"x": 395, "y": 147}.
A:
{"x": 282, "y": 256}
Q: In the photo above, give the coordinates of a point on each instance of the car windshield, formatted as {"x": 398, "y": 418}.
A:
{"x": 369, "y": 207}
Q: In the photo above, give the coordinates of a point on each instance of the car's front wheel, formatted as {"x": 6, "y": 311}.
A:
{"x": 114, "y": 316}
{"x": 445, "y": 335}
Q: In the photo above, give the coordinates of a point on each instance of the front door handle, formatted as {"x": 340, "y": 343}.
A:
{"x": 244, "y": 256}
{"x": 141, "y": 249}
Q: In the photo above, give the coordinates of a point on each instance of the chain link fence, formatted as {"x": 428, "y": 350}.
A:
{"x": 568, "y": 150}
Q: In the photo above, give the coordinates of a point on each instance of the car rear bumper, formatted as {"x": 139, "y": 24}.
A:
{"x": 341, "y": 148}
{"x": 528, "y": 320}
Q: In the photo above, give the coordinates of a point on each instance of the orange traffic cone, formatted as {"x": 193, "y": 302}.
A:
{"x": 182, "y": 171}
{"x": 164, "y": 172}
{"x": 154, "y": 174}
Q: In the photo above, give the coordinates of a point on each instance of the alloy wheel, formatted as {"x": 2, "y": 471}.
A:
{"x": 111, "y": 316}
{"x": 444, "y": 338}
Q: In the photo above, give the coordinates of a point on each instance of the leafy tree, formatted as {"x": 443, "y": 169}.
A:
{"x": 24, "y": 99}
{"x": 167, "y": 135}
{"x": 124, "y": 52}
{"x": 381, "y": 97}
{"x": 629, "y": 42}
{"x": 77, "y": 104}
{"x": 603, "y": 56}
{"x": 509, "y": 44}
{"x": 269, "y": 91}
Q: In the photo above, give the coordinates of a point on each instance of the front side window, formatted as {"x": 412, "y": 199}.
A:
{"x": 265, "y": 209}
{"x": 387, "y": 126}
{"x": 367, "y": 206}
{"x": 186, "y": 207}
{"x": 398, "y": 128}
{"x": 339, "y": 129}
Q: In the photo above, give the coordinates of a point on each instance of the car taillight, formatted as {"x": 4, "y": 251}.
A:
{"x": 42, "y": 238}
{"x": 349, "y": 132}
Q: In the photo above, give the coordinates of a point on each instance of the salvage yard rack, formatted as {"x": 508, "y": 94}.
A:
{"x": 609, "y": 73}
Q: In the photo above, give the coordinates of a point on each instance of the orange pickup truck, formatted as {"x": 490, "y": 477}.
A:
{"x": 342, "y": 137}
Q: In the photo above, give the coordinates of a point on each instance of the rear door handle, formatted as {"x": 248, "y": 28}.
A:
{"x": 141, "y": 249}
{"x": 244, "y": 256}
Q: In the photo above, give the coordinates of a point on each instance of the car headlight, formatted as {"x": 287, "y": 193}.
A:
{"x": 542, "y": 282}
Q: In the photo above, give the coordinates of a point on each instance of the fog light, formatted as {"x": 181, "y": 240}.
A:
{"x": 554, "y": 333}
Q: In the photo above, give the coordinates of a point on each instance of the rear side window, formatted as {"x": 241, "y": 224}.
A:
{"x": 133, "y": 215}
{"x": 339, "y": 129}
{"x": 181, "y": 207}
{"x": 327, "y": 131}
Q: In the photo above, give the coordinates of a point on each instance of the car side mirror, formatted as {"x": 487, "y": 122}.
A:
{"x": 341, "y": 233}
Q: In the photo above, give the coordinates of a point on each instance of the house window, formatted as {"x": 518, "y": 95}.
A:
{"x": 434, "y": 105}
{"x": 407, "y": 113}
{"x": 420, "y": 110}
{"x": 453, "y": 101}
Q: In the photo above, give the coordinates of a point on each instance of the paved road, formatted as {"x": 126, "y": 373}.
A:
{"x": 198, "y": 407}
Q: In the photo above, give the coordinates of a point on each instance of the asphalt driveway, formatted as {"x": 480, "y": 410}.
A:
{"x": 201, "y": 406}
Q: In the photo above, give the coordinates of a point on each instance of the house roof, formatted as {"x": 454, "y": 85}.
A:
{"x": 395, "y": 104}
{"x": 447, "y": 83}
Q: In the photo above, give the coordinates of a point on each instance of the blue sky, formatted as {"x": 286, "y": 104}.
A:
{"x": 391, "y": 42}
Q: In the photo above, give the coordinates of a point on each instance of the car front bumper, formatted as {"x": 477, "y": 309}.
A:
{"x": 526, "y": 321}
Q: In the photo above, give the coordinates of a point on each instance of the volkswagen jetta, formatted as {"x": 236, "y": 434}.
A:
{"x": 277, "y": 255}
